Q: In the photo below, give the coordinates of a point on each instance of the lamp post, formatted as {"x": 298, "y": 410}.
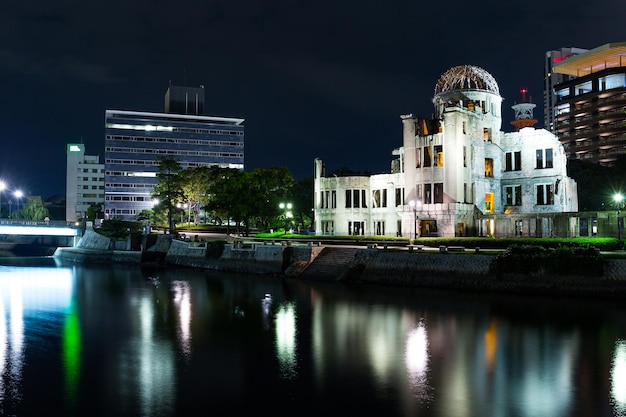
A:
{"x": 618, "y": 198}
{"x": 413, "y": 205}
{"x": 287, "y": 208}
{"x": 2, "y": 187}
{"x": 18, "y": 195}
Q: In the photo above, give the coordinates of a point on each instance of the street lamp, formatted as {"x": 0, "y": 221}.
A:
{"x": 18, "y": 195}
{"x": 287, "y": 208}
{"x": 618, "y": 198}
{"x": 414, "y": 205}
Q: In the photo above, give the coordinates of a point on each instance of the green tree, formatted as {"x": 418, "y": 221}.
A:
{"x": 268, "y": 187}
{"x": 34, "y": 209}
{"x": 195, "y": 183}
{"x": 228, "y": 195}
{"x": 168, "y": 190}
{"x": 95, "y": 211}
{"x": 303, "y": 202}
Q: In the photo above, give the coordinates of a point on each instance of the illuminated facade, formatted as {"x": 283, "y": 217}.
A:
{"x": 84, "y": 183}
{"x": 134, "y": 140}
{"x": 457, "y": 174}
{"x": 590, "y": 108}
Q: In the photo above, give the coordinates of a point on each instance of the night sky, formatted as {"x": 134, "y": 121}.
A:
{"x": 325, "y": 79}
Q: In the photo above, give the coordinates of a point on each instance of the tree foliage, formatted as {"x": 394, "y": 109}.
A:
{"x": 34, "y": 209}
{"x": 169, "y": 188}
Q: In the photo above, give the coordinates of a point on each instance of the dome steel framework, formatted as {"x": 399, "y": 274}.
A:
{"x": 466, "y": 77}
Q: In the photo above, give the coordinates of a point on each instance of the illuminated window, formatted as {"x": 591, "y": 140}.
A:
{"x": 489, "y": 167}
{"x": 612, "y": 81}
{"x": 489, "y": 200}
{"x": 428, "y": 158}
{"x": 583, "y": 88}
{"x": 562, "y": 109}
{"x": 438, "y": 156}
{"x": 486, "y": 133}
{"x": 560, "y": 94}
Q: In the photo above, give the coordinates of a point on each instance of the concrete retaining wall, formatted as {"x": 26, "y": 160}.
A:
{"x": 393, "y": 267}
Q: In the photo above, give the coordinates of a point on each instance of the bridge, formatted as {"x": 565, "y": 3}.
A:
{"x": 59, "y": 233}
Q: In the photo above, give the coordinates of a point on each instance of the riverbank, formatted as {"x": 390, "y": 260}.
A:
{"x": 461, "y": 270}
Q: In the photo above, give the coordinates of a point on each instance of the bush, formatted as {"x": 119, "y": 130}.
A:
{"x": 119, "y": 229}
{"x": 562, "y": 260}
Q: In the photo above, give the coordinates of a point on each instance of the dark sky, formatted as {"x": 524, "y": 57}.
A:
{"x": 325, "y": 79}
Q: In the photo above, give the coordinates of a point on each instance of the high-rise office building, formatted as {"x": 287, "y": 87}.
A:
{"x": 135, "y": 139}
{"x": 590, "y": 107}
{"x": 84, "y": 184}
{"x": 551, "y": 78}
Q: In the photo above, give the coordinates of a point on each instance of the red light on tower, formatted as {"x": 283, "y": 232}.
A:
{"x": 523, "y": 112}
{"x": 524, "y": 91}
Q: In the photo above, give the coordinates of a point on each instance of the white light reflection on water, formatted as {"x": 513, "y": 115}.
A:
{"x": 618, "y": 378}
{"x": 182, "y": 300}
{"x": 146, "y": 364}
{"x": 23, "y": 292}
{"x": 286, "y": 345}
{"x": 416, "y": 360}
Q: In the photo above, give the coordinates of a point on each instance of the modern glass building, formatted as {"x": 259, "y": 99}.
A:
{"x": 134, "y": 140}
{"x": 552, "y": 78}
{"x": 590, "y": 108}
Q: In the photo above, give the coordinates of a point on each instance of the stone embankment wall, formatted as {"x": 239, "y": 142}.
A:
{"x": 390, "y": 267}
{"x": 239, "y": 257}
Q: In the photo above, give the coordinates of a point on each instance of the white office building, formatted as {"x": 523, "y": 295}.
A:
{"x": 84, "y": 184}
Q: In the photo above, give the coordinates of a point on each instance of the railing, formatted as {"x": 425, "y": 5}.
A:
{"x": 53, "y": 223}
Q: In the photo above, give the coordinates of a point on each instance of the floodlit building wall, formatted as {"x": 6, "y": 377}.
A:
{"x": 460, "y": 175}
{"x": 84, "y": 184}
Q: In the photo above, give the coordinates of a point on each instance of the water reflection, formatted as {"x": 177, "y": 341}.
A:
{"x": 286, "y": 344}
{"x": 26, "y": 295}
{"x": 618, "y": 378}
{"x": 182, "y": 301}
{"x": 416, "y": 361}
{"x": 114, "y": 338}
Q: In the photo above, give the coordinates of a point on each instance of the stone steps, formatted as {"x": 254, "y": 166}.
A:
{"x": 330, "y": 264}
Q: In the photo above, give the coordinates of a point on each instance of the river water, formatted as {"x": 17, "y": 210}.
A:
{"x": 102, "y": 340}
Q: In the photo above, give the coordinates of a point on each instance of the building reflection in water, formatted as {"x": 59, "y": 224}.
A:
{"x": 146, "y": 364}
{"x": 286, "y": 345}
{"x": 618, "y": 378}
{"x": 417, "y": 360}
{"x": 27, "y": 292}
{"x": 182, "y": 300}
{"x": 483, "y": 365}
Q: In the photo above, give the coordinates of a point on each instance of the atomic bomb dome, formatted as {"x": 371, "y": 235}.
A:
{"x": 466, "y": 77}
